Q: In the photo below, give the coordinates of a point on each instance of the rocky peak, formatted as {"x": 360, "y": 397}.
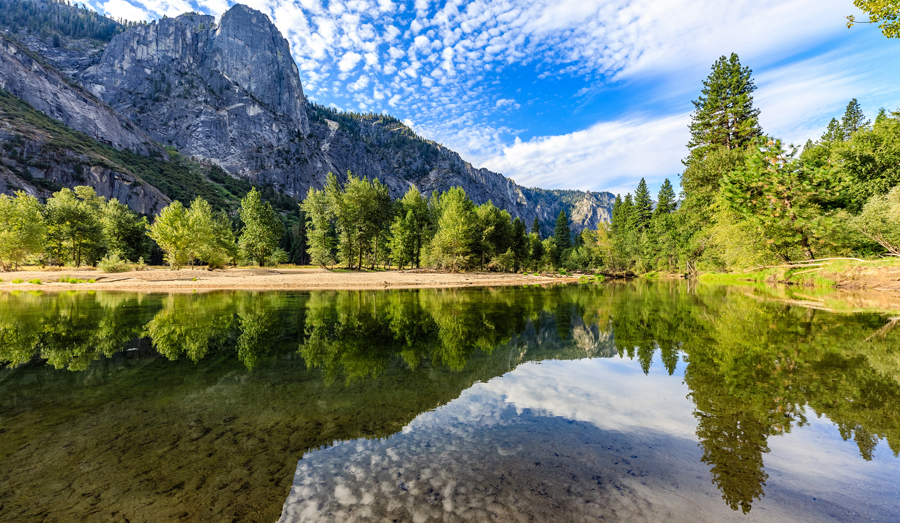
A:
{"x": 250, "y": 51}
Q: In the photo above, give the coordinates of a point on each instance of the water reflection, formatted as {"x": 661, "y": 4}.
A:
{"x": 309, "y": 369}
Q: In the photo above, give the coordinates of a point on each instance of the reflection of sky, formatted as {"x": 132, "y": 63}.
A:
{"x": 612, "y": 394}
{"x": 481, "y": 450}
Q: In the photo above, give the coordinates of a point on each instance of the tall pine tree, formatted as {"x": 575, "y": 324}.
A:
{"x": 724, "y": 115}
{"x": 853, "y": 119}
{"x": 643, "y": 206}
{"x": 562, "y": 234}
{"x": 665, "y": 201}
{"x": 536, "y": 227}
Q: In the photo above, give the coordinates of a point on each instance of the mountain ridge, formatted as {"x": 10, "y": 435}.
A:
{"x": 196, "y": 84}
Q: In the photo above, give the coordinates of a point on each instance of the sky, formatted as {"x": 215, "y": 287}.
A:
{"x": 572, "y": 94}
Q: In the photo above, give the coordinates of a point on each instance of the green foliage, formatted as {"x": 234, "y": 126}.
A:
{"x": 124, "y": 231}
{"x": 451, "y": 247}
{"x": 262, "y": 229}
{"x": 870, "y": 160}
{"x": 643, "y": 207}
{"x": 22, "y": 229}
{"x": 880, "y": 220}
{"x": 783, "y": 198}
{"x": 74, "y": 226}
{"x": 35, "y": 281}
{"x": 409, "y": 230}
{"x": 885, "y": 13}
{"x": 493, "y": 237}
{"x": 320, "y": 228}
{"x": 113, "y": 263}
{"x": 724, "y": 115}
{"x": 171, "y": 231}
{"x": 58, "y": 18}
{"x": 562, "y": 234}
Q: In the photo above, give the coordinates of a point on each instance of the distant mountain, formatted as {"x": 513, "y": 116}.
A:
{"x": 227, "y": 94}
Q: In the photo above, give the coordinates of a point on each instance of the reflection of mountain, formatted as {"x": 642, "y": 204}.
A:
{"x": 216, "y": 439}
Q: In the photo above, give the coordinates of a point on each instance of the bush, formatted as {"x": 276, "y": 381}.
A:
{"x": 17, "y": 280}
{"x": 140, "y": 265}
{"x": 35, "y": 281}
{"x": 880, "y": 220}
{"x": 112, "y": 263}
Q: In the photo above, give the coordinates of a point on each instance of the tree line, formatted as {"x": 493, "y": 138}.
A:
{"x": 747, "y": 199}
{"x": 358, "y": 225}
{"x": 77, "y": 227}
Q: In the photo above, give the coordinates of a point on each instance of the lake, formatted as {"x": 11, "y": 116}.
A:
{"x": 635, "y": 401}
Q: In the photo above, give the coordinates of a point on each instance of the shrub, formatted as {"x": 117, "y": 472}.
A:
{"x": 35, "y": 281}
{"x": 17, "y": 280}
{"x": 880, "y": 220}
{"x": 140, "y": 265}
{"x": 112, "y": 263}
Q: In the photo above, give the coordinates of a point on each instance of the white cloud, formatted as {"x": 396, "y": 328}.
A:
{"x": 349, "y": 61}
{"x": 122, "y": 9}
{"x": 605, "y": 155}
{"x": 507, "y": 102}
{"x": 394, "y": 101}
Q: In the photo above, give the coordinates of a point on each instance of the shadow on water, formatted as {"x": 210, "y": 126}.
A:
{"x": 198, "y": 406}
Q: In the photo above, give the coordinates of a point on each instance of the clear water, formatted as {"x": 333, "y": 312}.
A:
{"x": 632, "y": 402}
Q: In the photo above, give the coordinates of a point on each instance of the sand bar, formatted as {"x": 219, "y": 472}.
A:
{"x": 187, "y": 280}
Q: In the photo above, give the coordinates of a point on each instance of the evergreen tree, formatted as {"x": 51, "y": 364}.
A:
{"x": 562, "y": 234}
{"x": 853, "y": 119}
{"x": 643, "y": 206}
{"x": 262, "y": 229}
{"x": 409, "y": 229}
{"x": 665, "y": 201}
{"x": 616, "y": 216}
{"x": 834, "y": 132}
{"x": 536, "y": 227}
{"x": 520, "y": 244}
{"x": 724, "y": 115}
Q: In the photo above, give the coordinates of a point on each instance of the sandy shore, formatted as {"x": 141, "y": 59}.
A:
{"x": 186, "y": 280}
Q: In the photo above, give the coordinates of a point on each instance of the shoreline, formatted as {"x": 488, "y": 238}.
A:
{"x": 263, "y": 279}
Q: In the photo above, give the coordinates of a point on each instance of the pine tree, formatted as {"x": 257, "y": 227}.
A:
{"x": 724, "y": 115}
{"x": 643, "y": 206}
{"x": 853, "y": 119}
{"x": 834, "y": 132}
{"x": 536, "y": 227}
{"x": 562, "y": 234}
{"x": 616, "y": 216}
{"x": 665, "y": 201}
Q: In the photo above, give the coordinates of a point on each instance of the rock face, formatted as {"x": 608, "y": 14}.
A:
{"x": 230, "y": 93}
{"x": 48, "y": 91}
{"x": 32, "y": 166}
{"x": 221, "y": 92}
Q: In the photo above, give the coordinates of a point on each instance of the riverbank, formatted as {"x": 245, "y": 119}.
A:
{"x": 187, "y": 280}
{"x": 843, "y": 274}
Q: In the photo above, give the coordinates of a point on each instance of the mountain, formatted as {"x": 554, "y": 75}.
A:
{"x": 227, "y": 95}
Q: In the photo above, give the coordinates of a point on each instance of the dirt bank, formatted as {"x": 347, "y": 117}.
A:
{"x": 186, "y": 280}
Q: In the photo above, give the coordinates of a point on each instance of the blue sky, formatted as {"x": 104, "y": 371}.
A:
{"x": 576, "y": 94}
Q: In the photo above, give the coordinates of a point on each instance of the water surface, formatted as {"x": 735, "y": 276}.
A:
{"x": 612, "y": 402}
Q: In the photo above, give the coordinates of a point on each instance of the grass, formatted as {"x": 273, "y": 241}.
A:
{"x": 35, "y": 281}
{"x": 18, "y": 280}
{"x": 67, "y": 279}
{"x": 826, "y": 274}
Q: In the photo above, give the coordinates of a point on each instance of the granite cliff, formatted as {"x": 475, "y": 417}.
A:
{"x": 227, "y": 93}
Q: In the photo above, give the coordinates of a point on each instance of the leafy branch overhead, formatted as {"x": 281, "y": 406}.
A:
{"x": 885, "y": 13}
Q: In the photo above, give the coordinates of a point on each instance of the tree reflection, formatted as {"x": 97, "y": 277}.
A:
{"x": 753, "y": 366}
{"x": 189, "y": 323}
{"x": 69, "y": 330}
